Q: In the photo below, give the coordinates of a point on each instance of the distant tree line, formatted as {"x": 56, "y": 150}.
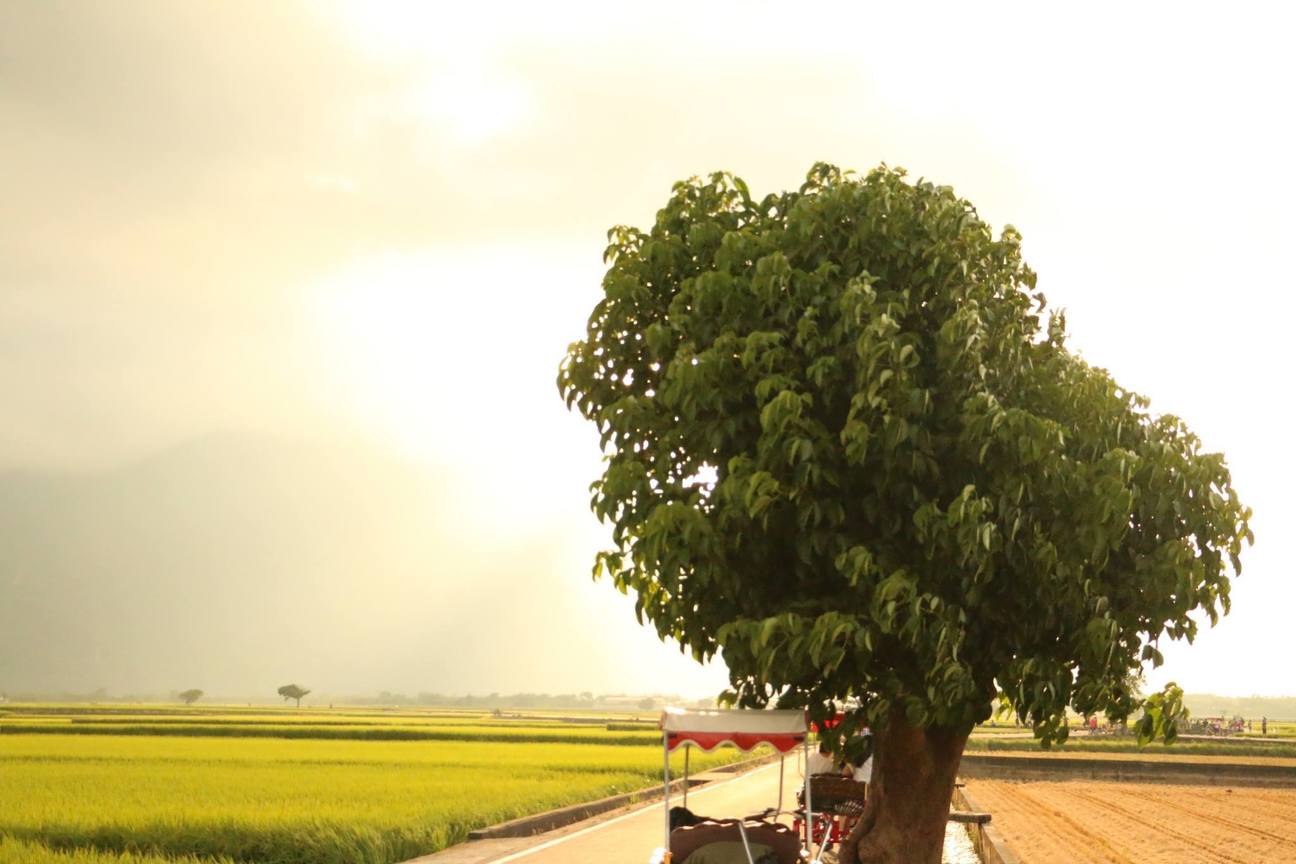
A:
{"x": 571, "y": 701}
{"x": 586, "y": 700}
{"x": 1273, "y": 707}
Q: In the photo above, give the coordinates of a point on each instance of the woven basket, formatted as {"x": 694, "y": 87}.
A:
{"x": 833, "y": 793}
{"x": 835, "y": 786}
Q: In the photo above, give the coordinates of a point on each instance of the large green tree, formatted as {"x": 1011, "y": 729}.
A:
{"x": 848, "y": 449}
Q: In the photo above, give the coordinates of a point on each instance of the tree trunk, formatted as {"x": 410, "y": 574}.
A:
{"x": 909, "y": 798}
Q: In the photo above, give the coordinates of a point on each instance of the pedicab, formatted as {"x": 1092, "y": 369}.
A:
{"x": 745, "y": 729}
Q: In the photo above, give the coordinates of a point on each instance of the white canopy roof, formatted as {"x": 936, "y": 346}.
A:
{"x": 749, "y": 721}
{"x": 745, "y": 729}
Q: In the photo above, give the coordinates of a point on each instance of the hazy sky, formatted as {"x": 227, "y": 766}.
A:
{"x": 382, "y": 223}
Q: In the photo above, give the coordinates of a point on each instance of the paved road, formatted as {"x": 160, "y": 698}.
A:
{"x": 630, "y": 838}
{"x": 633, "y": 837}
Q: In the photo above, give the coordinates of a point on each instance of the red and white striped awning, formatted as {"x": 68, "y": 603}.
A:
{"x": 744, "y": 729}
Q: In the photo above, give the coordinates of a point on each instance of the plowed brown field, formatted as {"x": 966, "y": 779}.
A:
{"x": 1135, "y": 823}
{"x": 1150, "y": 755}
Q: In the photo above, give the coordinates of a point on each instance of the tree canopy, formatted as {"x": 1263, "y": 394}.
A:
{"x": 848, "y": 448}
{"x": 189, "y": 697}
{"x": 292, "y": 691}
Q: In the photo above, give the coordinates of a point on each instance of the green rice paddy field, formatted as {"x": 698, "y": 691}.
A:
{"x": 149, "y": 786}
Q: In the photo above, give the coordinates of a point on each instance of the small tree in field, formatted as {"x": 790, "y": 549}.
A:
{"x": 189, "y": 697}
{"x": 846, "y": 451}
{"x": 292, "y": 691}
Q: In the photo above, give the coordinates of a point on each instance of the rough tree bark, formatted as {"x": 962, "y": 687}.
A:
{"x": 913, "y": 780}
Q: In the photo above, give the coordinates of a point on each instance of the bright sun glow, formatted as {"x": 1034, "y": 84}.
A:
{"x": 440, "y": 354}
{"x": 473, "y": 105}
{"x": 398, "y": 337}
{"x": 453, "y": 86}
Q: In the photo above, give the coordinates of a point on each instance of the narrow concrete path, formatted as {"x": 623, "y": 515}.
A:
{"x": 630, "y": 836}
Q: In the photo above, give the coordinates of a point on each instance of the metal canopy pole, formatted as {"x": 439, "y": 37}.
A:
{"x": 809, "y": 806}
{"x": 742, "y": 832}
{"x": 687, "y": 748}
{"x": 778, "y": 805}
{"x": 666, "y": 792}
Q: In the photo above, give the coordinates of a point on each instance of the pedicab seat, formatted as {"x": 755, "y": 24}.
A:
{"x": 783, "y": 840}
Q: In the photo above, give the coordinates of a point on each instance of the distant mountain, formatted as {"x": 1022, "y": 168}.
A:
{"x": 233, "y": 564}
{"x": 1253, "y": 707}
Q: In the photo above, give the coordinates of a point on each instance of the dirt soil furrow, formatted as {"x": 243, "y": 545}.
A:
{"x": 1056, "y": 832}
{"x": 1255, "y": 817}
{"x": 1146, "y": 821}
